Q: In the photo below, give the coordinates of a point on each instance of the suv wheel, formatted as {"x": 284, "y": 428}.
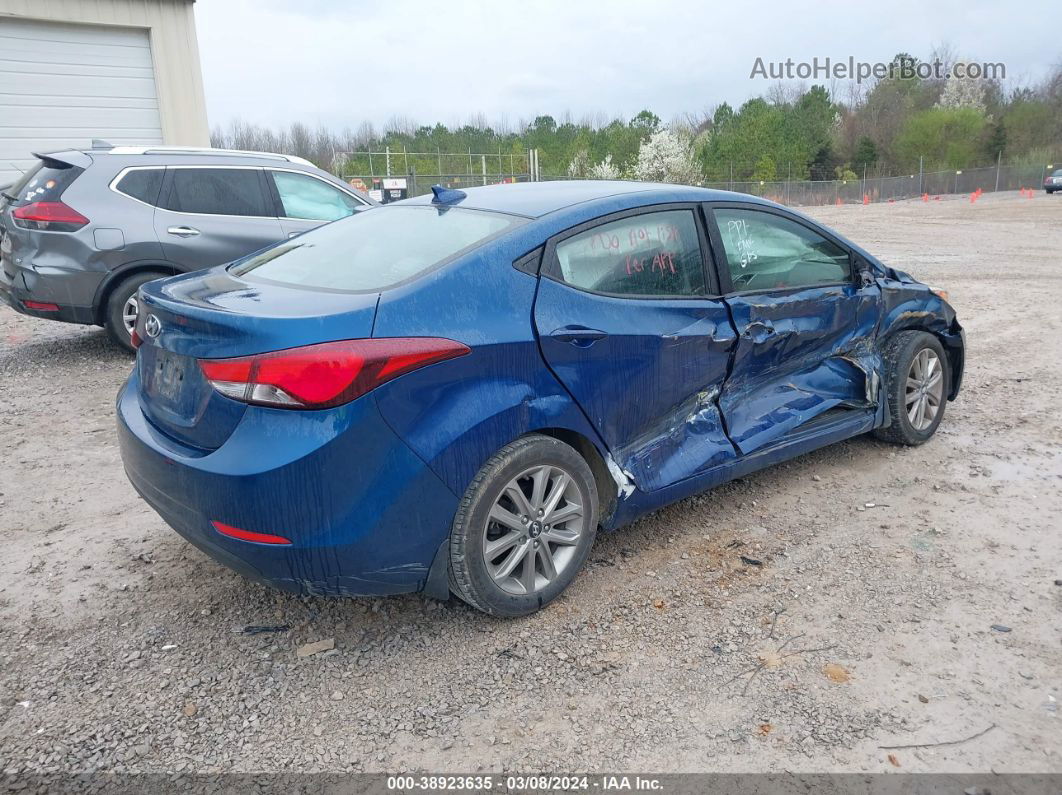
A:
{"x": 122, "y": 307}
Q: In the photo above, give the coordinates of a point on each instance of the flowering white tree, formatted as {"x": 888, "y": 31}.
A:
{"x": 580, "y": 163}
{"x": 962, "y": 92}
{"x": 603, "y": 170}
{"x": 667, "y": 157}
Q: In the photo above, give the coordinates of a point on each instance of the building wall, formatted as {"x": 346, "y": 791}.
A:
{"x": 174, "y": 51}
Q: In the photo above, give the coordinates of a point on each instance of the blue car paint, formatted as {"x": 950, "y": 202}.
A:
{"x": 799, "y": 354}
{"x": 367, "y": 491}
{"x": 673, "y": 354}
{"x": 363, "y": 513}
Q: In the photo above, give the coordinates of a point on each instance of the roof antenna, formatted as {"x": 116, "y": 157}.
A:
{"x": 99, "y": 143}
{"x": 447, "y": 195}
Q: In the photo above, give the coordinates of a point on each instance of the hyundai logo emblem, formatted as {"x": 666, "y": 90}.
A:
{"x": 152, "y": 326}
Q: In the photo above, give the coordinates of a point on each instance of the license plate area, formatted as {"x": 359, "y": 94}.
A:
{"x": 166, "y": 377}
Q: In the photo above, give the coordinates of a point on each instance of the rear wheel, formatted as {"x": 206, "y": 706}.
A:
{"x": 524, "y": 527}
{"x": 917, "y": 378}
{"x": 122, "y": 307}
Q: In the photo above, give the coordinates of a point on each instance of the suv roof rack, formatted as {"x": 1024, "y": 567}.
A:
{"x": 204, "y": 150}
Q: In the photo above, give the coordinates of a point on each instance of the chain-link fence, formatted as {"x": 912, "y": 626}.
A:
{"x": 469, "y": 169}
{"x": 878, "y": 189}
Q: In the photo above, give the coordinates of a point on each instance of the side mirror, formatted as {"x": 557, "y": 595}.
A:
{"x": 864, "y": 272}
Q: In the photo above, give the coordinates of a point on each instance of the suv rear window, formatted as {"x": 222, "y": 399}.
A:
{"x": 377, "y": 248}
{"x": 217, "y": 191}
{"x": 44, "y": 182}
{"x": 142, "y": 184}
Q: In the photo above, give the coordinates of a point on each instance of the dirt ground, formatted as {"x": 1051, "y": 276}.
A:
{"x": 906, "y": 596}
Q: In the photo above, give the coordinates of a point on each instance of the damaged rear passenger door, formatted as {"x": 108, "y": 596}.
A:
{"x": 627, "y": 321}
{"x": 805, "y": 324}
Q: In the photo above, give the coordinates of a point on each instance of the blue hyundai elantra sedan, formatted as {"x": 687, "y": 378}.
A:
{"x": 452, "y": 394}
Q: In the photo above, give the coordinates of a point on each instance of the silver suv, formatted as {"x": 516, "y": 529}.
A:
{"x": 83, "y": 229}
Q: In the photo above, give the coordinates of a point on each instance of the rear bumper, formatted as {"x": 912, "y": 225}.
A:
{"x": 365, "y": 515}
{"x": 28, "y": 285}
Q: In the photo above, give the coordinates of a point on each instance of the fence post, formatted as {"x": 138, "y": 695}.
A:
{"x": 387, "y": 157}
{"x": 999, "y": 157}
{"x": 788, "y": 179}
{"x": 483, "y": 165}
{"x": 864, "y": 191}
{"x": 438, "y": 154}
{"x": 371, "y": 172}
{"x": 920, "y": 191}
{"x": 413, "y": 179}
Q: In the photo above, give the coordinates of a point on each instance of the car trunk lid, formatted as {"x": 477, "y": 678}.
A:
{"x": 215, "y": 315}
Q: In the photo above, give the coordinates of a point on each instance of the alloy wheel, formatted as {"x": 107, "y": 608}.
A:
{"x": 925, "y": 389}
{"x": 129, "y": 313}
{"x": 533, "y": 529}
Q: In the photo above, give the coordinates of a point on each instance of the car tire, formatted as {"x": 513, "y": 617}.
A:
{"x": 116, "y": 315}
{"x": 538, "y": 466}
{"x": 917, "y": 373}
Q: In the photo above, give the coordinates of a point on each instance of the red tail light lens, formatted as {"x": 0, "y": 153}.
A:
{"x": 41, "y": 306}
{"x": 49, "y": 217}
{"x": 325, "y": 375}
{"x": 247, "y": 535}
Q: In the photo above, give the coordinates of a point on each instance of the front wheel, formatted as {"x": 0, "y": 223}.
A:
{"x": 916, "y": 378}
{"x": 524, "y": 527}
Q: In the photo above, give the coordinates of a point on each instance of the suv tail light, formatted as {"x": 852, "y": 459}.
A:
{"x": 49, "y": 217}
{"x": 325, "y": 375}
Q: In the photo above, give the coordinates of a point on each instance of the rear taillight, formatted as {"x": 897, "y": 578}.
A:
{"x": 49, "y": 217}
{"x": 325, "y": 375}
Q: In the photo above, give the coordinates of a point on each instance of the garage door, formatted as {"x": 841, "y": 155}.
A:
{"x": 62, "y": 85}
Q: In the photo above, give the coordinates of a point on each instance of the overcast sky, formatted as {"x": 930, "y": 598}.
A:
{"x": 342, "y": 63}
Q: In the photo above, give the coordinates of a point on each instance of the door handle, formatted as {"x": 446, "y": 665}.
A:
{"x": 578, "y": 335}
{"x": 758, "y": 331}
{"x": 183, "y": 231}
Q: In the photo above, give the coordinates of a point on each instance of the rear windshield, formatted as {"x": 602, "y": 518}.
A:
{"x": 377, "y": 248}
{"x": 44, "y": 182}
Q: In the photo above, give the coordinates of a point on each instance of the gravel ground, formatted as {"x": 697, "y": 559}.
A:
{"x": 868, "y": 624}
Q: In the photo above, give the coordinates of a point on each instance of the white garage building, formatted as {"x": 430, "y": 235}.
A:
{"x": 125, "y": 71}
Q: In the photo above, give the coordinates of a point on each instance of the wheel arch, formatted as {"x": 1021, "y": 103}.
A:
{"x": 950, "y": 337}
{"x": 585, "y": 447}
{"x": 118, "y": 275}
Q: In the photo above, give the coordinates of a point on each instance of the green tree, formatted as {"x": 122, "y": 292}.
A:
{"x": 945, "y": 137}
{"x": 866, "y": 153}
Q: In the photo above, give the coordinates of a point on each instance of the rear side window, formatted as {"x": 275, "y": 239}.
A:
{"x": 655, "y": 253}
{"x": 217, "y": 191}
{"x": 142, "y": 183}
{"x": 45, "y": 182}
{"x": 312, "y": 199}
{"x": 766, "y": 251}
{"x": 377, "y": 248}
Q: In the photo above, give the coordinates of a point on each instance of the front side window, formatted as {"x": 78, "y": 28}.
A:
{"x": 217, "y": 191}
{"x": 656, "y": 253}
{"x": 377, "y": 249}
{"x": 766, "y": 251}
{"x": 312, "y": 199}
